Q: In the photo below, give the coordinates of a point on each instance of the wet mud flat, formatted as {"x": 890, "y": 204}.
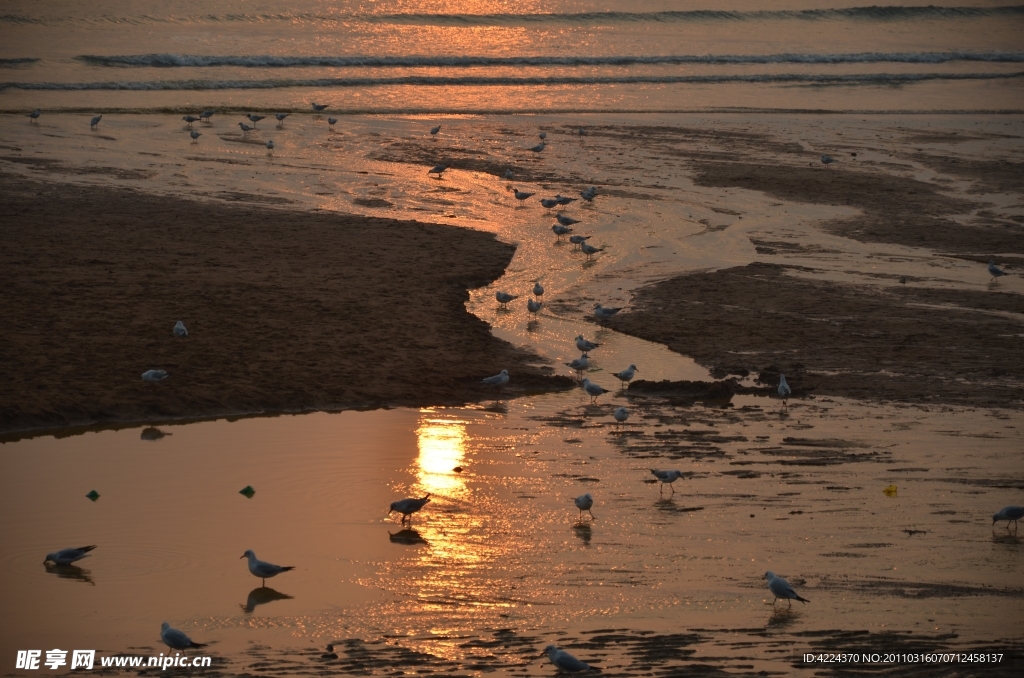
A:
{"x": 287, "y": 311}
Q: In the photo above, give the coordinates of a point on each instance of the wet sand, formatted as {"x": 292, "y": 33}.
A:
{"x": 286, "y": 311}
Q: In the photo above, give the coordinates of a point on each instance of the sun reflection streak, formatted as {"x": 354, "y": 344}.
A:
{"x": 442, "y": 448}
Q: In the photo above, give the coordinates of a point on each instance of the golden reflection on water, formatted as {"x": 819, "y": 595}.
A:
{"x": 442, "y": 449}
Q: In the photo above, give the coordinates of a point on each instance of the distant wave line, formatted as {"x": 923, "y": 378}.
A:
{"x": 784, "y": 78}
{"x": 886, "y": 13}
{"x": 17, "y": 61}
{"x": 413, "y": 61}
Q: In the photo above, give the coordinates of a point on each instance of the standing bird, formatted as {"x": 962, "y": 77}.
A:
{"x": 331, "y": 122}
{"x": 549, "y": 202}
{"x": 270, "y": 147}
{"x": 255, "y": 118}
{"x": 626, "y": 375}
{"x": 563, "y": 200}
{"x": 245, "y": 128}
{"x": 207, "y": 114}
{"x": 497, "y": 380}
{"x": 543, "y": 135}
{"x": 590, "y": 250}
{"x": 435, "y": 130}
{"x": 780, "y": 588}
{"x": 263, "y": 569}
{"x": 438, "y": 170}
{"x": 784, "y": 390}
{"x": 560, "y": 230}
{"x": 521, "y": 196}
{"x": 153, "y": 376}
{"x": 504, "y": 297}
{"x": 34, "y": 115}
{"x": 589, "y": 194}
{"x": 827, "y": 160}
{"x": 604, "y": 312}
{"x": 533, "y": 306}
{"x": 994, "y": 270}
{"x": 593, "y": 390}
{"x": 564, "y": 661}
{"x": 195, "y": 136}
{"x": 280, "y": 118}
{"x": 190, "y": 119}
{"x": 508, "y": 174}
{"x": 538, "y": 148}
{"x": 583, "y": 503}
{"x": 175, "y": 639}
{"x": 95, "y": 121}
{"x": 1009, "y": 513}
{"x": 621, "y": 415}
{"x": 407, "y": 507}
{"x": 584, "y": 345}
{"x": 582, "y": 132}
{"x": 68, "y": 556}
{"x": 579, "y": 239}
{"x": 538, "y": 289}
{"x": 666, "y": 477}
{"x": 179, "y": 329}
{"x": 579, "y": 364}
{"x": 319, "y": 108}
{"x": 566, "y": 221}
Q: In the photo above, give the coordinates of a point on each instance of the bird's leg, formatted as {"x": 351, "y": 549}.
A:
{"x": 591, "y": 514}
{"x": 673, "y": 488}
{"x": 775, "y": 601}
{"x": 790, "y": 602}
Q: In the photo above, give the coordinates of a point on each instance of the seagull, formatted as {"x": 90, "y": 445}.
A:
{"x": 780, "y": 588}
{"x": 667, "y": 477}
{"x": 995, "y": 270}
{"x": 504, "y": 297}
{"x": 95, "y": 121}
{"x": 549, "y": 202}
{"x": 175, "y": 639}
{"x": 263, "y": 569}
{"x": 566, "y": 221}
{"x": 34, "y": 115}
{"x": 407, "y": 507}
{"x": 564, "y": 661}
{"x": 280, "y": 118}
{"x": 179, "y": 329}
{"x": 590, "y": 250}
{"x": 543, "y": 135}
{"x": 270, "y": 147}
{"x": 206, "y": 114}
{"x": 562, "y": 200}
{"x": 538, "y": 148}
{"x": 533, "y": 306}
{"x": 626, "y": 375}
{"x": 583, "y": 503}
{"x": 508, "y": 174}
{"x": 331, "y": 122}
{"x": 435, "y": 130}
{"x": 584, "y": 345}
{"x": 1008, "y": 513}
{"x": 68, "y": 556}
{"x": 438, "y": 170}
{"x": 621, "y": 415}
{"x": 521, "y": 196}
{"x": 784, "y": 390}
{"x": 605, "y": 313}
{"x": 497, "y": 380}
{"x": 190, "y": 119}
{"x": 593, "y": 390}
{"x": 827, "y": 160}
{"x": 195, "y": 136}
{"x": 245, "y": 128}
{"x": 560, "y": 230}
{"x": 318, "y": 107}
{"x": 153, "y": 376}
{"x": 579, "y": 239}
{"x": 589, "y": 194}
{"x": 580, "y": 364}
{"x": 582, "y": 132}
{"x": 255, "y": 118}
{"x": 538, "y": 289}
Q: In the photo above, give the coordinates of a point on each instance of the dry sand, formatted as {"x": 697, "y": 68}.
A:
{"x": 286, "y": 310}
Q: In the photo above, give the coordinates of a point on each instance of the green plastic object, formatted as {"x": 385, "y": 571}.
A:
{"x": 247, "y": 491}
{"x": 94, "y": 495}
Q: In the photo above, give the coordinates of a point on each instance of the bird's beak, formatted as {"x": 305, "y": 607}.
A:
{"x": 241, "y": 556}
{"x": 391, "y": 511}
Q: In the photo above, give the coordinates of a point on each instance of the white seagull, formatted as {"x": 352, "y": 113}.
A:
{"x": 205, "y": 115}
{"x": 994, "y": 270}
{"x": 95, "y": 121}
{"x": 667, "y": 477}
{"x": 280, "y": 118}
{"x": 533, "y": 306}
{"x": 261, "y": 568}
{"x": 566, "y": 221}
{"x": 549, "y": 202}
{"x": 593, "y": 390}
{"x": 508, "y": 174}
{"x": 318, "y": 107}
{"x": 179, "y": 329}
{"x": 579, "y": 239}
{"x": 255, "y": 118}
{"x": 504, "y": 297}
{"x": 34, "y": 115}
{"x": 407, "y": 507}
{"x": 589, "y": 249}
{"x": 784, "y": 390}
{"x": 270, "y": 147}
{"x": 68, "y": 556}
{"x": 175, "y": 639}
{"x": 521, "y": 196}
{"x": 780, "y": 588}
{"x": 603, "y": 312}
{"x": 584, "y": 345}
{"x": 190, "y": 119}
{"x": 563, "y": 200}
{"x": 626, "y": 375}
{"x": 589, "y": 194}
{"x": 1009, "y": 513}
{"x": 621, "y": 415}
{"x": 827, "y": 160}
{"x": 560, "y": 230}
{"x": 497, "y": 380}
{"x": 538, "y": 289}
{"x": 538, "y": 148}
{"x": 583, "y": 503}
{"x": 435, "y": 130}
{"x": 582, "y": 132}
{"x": 543, "y": 135}
{"x": 153, "y": 376}
{"x": 564, "y": 661}
{"x": 195, "y": 136}
{"x": 580, "y": 364}
{"x": 245, "y": 128}
{"x": 331, "y": 122}
{"x": 438, "y": 170}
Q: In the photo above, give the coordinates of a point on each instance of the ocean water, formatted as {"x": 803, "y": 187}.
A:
{"x": 420, "y": 56}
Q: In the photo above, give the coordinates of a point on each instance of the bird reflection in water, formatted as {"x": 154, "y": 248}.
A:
{"x": 70, "y": 572}
{"x": 408, "y": 536}
{"x": 583, "y": 532}
{"x": 782, "y": 617}
{"x": 1005, "y": 538}
{"x": 152, "y": 433}
{"x": 262, "y": 595}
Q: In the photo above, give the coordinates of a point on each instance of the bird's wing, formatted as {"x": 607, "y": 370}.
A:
{"x": 781, "y": 588}
{"x": 175, "y": 638}
{"x": 564, "y": 660}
